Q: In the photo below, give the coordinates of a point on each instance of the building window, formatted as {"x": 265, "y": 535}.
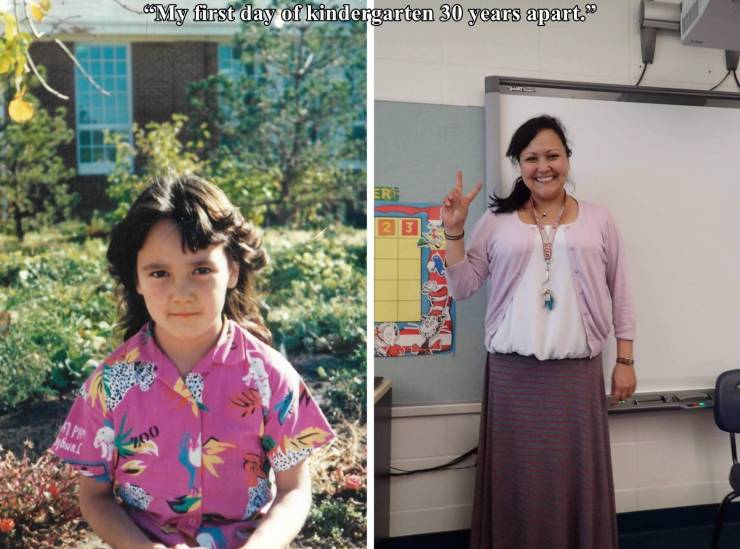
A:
{"x": 110, "y": 66}
{"x": 228, "y": 64}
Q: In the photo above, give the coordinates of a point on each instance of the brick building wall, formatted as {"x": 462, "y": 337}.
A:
{"x": 160, "y": 74}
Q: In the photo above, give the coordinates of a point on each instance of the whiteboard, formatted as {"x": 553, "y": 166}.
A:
{"x": 670, "y": 175}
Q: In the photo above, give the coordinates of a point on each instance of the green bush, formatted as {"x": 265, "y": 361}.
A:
{"x": 57, "y": 310}
{"x": 335, "y": 522}
{"x": 347, "y": 393}
{"x": 315, "y": 290}
{"x": 58, "y": 316}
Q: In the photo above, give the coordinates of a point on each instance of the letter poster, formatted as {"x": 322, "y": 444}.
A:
{"x": 414, "y": 313}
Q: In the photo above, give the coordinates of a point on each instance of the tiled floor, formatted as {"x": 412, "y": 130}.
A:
{"x": 683, "y": 538}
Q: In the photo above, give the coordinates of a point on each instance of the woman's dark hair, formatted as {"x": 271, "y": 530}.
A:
{"x": 204, "y": 216}
{"x": 522, "y": 137}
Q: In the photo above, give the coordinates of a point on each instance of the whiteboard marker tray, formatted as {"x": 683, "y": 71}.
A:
{"x": 700, "y": 399}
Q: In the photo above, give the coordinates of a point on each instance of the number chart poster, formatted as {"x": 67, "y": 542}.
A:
{"x": 414, "y": 313}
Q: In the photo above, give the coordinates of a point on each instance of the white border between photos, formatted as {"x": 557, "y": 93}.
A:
{"x": 370, "y": 272}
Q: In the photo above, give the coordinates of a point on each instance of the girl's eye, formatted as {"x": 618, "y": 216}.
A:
{"x": 203, "y": 270}
{"x": 158, "y": 274}
{"x": 533, "y": 159}
{"x": 553, "y": 157}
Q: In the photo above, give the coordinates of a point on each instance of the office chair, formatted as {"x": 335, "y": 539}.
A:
{"x": 727, "y": 418}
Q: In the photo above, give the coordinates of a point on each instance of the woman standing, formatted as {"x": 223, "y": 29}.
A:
{"x": 558, "y": 282}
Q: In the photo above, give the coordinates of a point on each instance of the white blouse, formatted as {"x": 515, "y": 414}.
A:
{"x": 528, "y": 327}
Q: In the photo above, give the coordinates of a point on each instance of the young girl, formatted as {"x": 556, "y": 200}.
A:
{"x": 194, "y": 432}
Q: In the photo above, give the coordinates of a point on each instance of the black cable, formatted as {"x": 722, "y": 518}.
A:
{"x": 449, "y": 464}
{"x": 718, "y": 84}
{"x": 447, "y": 469}
{"x": 644, "y": 68}
{"x": 734, "y": 73}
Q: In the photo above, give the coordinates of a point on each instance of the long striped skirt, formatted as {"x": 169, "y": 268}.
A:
{"x": 544, "y": 476}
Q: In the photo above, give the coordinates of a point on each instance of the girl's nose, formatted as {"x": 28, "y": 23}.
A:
{"x": 182, "y": 290}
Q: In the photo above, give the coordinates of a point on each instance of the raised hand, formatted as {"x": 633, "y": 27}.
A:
{"x": 454, "y": 209}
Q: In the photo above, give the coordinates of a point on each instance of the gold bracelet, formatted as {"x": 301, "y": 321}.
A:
{"x": 626, "y": 361}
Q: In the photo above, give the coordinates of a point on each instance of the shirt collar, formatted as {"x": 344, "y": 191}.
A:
{"x": 226, "y": 350}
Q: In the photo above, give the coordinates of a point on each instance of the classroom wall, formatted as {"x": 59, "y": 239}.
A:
{"x": 660, "y": 460}
{"x": 445, "y": 63}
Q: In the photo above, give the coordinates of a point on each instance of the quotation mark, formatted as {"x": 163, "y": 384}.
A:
{"x": 590, "y": 8}
{"x": 148, "y": 8}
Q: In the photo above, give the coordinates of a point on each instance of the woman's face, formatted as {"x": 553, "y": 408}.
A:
{"x": 544, "y": 166}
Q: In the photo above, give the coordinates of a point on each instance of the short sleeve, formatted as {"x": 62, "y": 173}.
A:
{"x": 294, "y": 425}
{"x": 86, "y": 439}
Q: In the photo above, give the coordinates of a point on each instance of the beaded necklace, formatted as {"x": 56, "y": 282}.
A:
{"x": 548, "y": 300}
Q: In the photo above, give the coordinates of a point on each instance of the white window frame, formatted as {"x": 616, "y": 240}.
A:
{"x": 104, "y": 167}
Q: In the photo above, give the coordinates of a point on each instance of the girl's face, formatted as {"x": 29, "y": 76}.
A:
{"x": 184, "y": 291}
{"x": 544, "y": 166}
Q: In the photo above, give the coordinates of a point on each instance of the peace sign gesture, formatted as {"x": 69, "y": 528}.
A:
{"x": 454, "y": 209}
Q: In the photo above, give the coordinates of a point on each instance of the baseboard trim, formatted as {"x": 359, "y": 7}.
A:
{"x": 628, "y": 524}
{"x": 431, "y": 410}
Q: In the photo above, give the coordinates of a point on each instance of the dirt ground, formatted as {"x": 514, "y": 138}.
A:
{"x": 37, "y": 422}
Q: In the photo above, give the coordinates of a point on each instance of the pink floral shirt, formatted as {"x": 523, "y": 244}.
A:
{"x": 192, "y": 459}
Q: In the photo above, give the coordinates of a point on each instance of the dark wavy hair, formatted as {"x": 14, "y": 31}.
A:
{"x": 522, "y": 137}
{"x": 204, "y": 216}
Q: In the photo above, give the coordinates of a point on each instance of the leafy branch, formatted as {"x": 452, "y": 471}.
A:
{"x": 16, "y": 60}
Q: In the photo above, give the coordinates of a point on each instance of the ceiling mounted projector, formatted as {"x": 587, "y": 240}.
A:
{"x": 711, "y": 24}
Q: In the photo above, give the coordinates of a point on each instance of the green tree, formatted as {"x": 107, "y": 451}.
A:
{"x": 159, "y": 149}
{"x": 33, "y": 177}
{"x": 294, "y": 116}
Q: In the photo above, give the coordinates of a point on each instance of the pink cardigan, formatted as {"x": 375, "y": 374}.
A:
{"x": 499, "y": 249}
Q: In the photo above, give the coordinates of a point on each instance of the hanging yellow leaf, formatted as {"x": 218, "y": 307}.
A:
{"x": 39, "y": 9}
{"x": 20, "y": 63}
{"x": 6, "y": 62}
{"x": 308, "y": 438}
{"x": 19, "y": 109}
{"x": 11, "y": 26}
